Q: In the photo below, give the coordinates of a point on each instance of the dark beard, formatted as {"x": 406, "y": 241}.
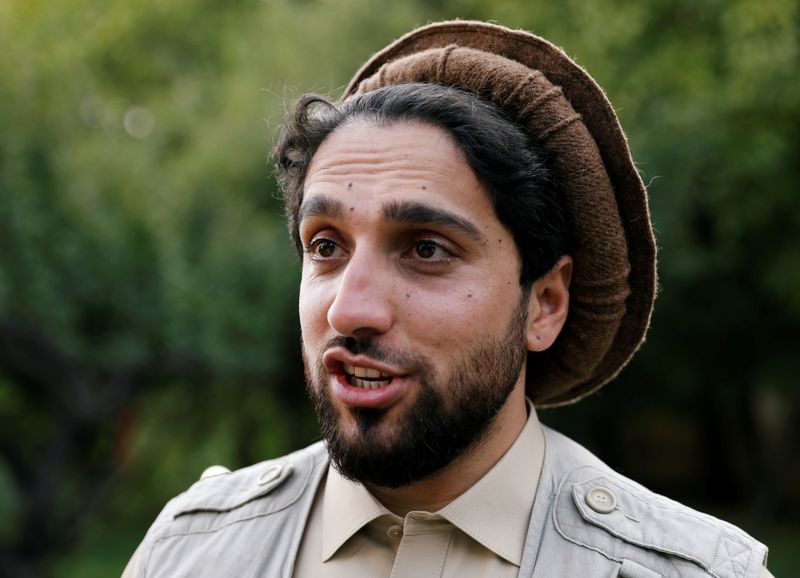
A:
{"x": 435, "y": 430}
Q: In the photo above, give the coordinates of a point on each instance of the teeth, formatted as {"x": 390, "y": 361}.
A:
{"x": 364, "y": 384}
{"x": 364, "y": 372}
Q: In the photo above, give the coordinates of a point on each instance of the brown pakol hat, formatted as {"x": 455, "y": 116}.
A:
{"x": 569, "y": 117}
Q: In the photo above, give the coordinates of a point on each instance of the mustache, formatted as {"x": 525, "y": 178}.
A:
{"x": 371, "y": 347}
{"x": 367, "y": 346}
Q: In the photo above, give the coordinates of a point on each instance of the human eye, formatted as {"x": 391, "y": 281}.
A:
{"x": 429, "y": 251}
{"x": 323, "y": 249}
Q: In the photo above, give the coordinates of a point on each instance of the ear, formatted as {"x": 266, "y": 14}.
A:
{"x": 548, "y": 305}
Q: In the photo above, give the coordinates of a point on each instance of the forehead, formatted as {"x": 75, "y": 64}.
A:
{"x": 368, "y": 167}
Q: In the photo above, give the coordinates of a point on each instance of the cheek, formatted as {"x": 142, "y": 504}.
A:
{"x": 312, "y": 308}
{"x": 484, "y": 310}
{"x": 451, "y": 320}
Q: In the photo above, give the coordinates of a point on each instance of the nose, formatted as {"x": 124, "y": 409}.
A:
{"x": 362, "y": 305}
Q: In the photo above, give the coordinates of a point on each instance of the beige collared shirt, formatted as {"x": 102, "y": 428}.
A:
{"x": 479, "y": 534}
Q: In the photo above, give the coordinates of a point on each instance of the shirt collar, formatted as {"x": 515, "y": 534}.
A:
{"x": 495, "y": 511}
{"x": 347, "y": 507}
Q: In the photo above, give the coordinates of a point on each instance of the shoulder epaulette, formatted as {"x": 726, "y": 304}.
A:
{"x": 606, "y": 512}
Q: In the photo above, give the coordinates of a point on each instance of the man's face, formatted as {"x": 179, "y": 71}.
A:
{"x": 413, "y": 319}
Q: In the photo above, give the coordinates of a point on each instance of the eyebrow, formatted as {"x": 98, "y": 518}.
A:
{"x": 415, "y": 213}
{"x": 405, "y": 212}
{"x": 320, "y": 206}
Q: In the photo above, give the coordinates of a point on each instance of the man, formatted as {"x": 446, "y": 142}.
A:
{"x": 474, "y": 233}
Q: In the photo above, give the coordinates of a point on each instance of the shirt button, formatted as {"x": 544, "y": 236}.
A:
{"x": 601, "y": 499}
{"x": 270, "y": 475}
{"x": 214, "y": 471}
{"x": 395, "y": 531}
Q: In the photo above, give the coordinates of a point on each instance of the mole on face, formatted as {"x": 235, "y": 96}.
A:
{"x": 349, "y": 185}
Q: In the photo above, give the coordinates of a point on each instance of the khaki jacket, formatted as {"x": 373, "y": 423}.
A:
{"x": 587, "y": 521}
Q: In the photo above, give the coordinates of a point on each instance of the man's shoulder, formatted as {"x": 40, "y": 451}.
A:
{"x": 213, "y": 521}
{"x": 283, "y": 479}
{"x": 601, "y": 510}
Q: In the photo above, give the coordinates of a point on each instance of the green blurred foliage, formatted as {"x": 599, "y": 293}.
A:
{"x": 148, "y": 288}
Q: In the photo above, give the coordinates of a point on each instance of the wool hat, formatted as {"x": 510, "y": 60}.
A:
{"x": 571, "y": 120}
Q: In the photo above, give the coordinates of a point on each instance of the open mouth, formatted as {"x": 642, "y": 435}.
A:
{"x": 365, "y": 377}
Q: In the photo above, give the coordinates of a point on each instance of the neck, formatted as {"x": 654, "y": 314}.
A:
{"x": 434, "y": 493}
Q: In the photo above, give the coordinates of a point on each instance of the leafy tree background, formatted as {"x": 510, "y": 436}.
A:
{"x": 148, "y": 325}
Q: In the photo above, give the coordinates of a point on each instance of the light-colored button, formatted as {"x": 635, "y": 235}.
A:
{"x": 214, "y": 471}
{"x": 270, "y": 475}
{"x": 601, "y": 499}
{"x": 395, "y": 531}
